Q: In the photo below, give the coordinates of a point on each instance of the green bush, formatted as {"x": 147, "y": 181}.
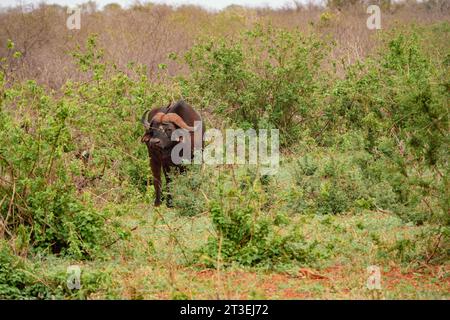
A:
{"x": 22, "y": 279}
{"x": 17, "y": 279}
{"x": 266, "y": 78}
{"x": 398, "y": 100}
{"x": 246, "y": 234}
{"x": 189, "y": 191}
{"x": 328, "y": 186}
{"x": 55, "y": 146}
{"x": 36, "y": 188}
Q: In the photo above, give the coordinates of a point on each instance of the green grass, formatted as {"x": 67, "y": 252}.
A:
{"x": 156, "y": 261}
{"x": 140, "y": 272}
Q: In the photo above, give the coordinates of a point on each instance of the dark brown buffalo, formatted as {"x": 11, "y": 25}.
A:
{"x": 159, "y": 124}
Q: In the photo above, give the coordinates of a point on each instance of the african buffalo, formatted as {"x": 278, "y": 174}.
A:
{"x": 159, "y": 125}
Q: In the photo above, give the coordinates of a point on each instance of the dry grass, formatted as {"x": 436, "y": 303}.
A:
{"x": 146, "y": 34}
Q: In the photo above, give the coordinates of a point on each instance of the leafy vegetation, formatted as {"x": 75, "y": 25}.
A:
{"x": 363, "y": 178}
{"x": 246, "y": 232}
{"x": 265, "y": 78}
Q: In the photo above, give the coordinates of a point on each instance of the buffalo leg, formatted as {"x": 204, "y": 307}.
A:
{"x": 168, "y": 194}
{"x": 156, "y": 171}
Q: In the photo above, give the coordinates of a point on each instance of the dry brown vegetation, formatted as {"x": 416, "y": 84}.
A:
{"x": 147, "y": 33}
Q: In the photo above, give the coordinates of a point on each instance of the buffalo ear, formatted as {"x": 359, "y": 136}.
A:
{"x": 145, "y": 138}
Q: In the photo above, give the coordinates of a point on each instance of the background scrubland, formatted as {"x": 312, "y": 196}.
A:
{"x": 363, "y": 178}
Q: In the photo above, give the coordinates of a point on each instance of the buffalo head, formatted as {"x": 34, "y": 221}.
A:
{"x": 158, "y": 130}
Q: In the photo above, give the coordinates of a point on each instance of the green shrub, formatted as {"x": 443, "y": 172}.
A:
{"x": 307, "y": 166}
{"x": 266, "y": 78}
{"x": 246, "y": 234}
{"x": 43, "y": 170}
{"x": 17, "y": 279}
{"x": 398, "y": 101}
{"x": 22, "y": 279}
{"x": 328, "y": 186}
{"x": 331, "y": 199}
{"x": 36, "y": 182}
{"x": 189, "y": 191}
